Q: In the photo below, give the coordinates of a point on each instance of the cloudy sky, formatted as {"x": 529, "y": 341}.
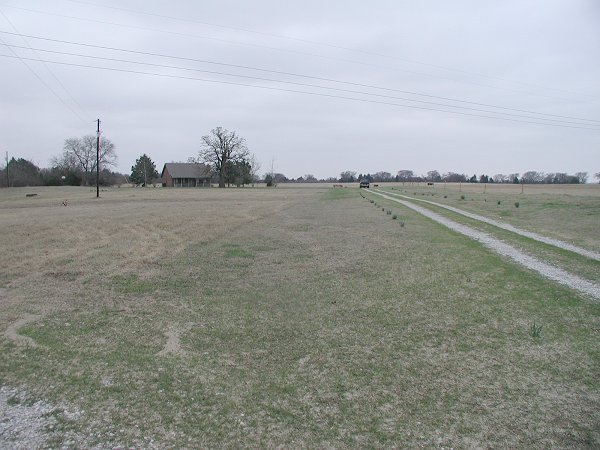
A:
{"x": 314, "y": 86}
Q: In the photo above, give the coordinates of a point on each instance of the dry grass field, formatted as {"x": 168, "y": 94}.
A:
{"x": 567, "y": 212}
{"x": 294, "y": 317}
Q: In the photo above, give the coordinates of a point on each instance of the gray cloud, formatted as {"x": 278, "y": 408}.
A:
{"x": 538, "y": 56}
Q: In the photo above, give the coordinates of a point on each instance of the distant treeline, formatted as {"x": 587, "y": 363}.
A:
{"x": 434, "y": 176}
{"x": 21, "y": 172}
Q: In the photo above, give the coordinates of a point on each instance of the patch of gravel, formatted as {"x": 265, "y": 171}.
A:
{"x": 26, "y": 423}
{"x": 546, "y": 270}
{"x": 23, "y": 424}
{"x": 505, "y": 226}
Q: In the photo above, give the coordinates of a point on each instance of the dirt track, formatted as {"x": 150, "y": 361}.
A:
{"x": 546, "y": 240}
{"x": 546, "y": 270}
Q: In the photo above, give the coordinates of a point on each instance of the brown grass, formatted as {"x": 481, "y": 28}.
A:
{"x": 286, "y": 318}
{"x": 565, "y": 212}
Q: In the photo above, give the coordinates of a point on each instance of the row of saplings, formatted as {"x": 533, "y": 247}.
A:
{"x": 462, "y": 197}
{"x": 387, "y": 211}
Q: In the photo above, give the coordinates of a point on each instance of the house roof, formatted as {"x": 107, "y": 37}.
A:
{"x": 186, "y": 170}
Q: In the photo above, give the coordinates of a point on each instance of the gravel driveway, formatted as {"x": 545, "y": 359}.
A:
{"x": 546, "y": 270}
{"x": 546, "y": 240}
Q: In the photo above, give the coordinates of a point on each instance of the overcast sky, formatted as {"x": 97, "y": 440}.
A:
{"x": 535, "y": 64}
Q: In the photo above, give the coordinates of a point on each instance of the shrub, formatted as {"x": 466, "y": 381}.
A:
{"x": 395, "y": 216}
{"x": 462, "y": 197}
{"x": 389, "y": 212}
{"x": 445, "y": 196}
{"x": 499, "y": 202}
{"x": 516, "y": 204}
{"x": 382, "y": 208}
{"x": 402, "y": 223}
{"x": 535, "y": 330}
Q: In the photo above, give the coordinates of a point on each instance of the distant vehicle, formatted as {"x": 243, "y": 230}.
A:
{"x": 364, "y": 184}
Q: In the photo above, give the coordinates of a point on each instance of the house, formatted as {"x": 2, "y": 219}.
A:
{"x": 185, "y": 175}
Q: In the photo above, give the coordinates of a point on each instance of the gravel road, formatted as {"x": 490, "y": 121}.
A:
{"x": 538, "y": 237}
{"x": 546, "y": 270}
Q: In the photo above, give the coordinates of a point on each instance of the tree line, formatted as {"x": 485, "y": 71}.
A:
{"x": 231, "y": 163}
{"x": 21, "y": 172}
{"x": 530, "y": 177}
{"x": 71, "y": 170}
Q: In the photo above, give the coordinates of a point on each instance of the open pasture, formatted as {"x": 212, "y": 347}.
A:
{"x": 290, "y": 317}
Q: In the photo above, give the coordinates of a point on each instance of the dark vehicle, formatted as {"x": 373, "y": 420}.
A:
{"x": 364, "y": 184}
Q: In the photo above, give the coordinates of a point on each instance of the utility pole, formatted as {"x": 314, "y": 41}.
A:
{"x": 98, "y": 161}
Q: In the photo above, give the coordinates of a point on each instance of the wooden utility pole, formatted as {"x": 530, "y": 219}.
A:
{"x": 98, "y": 161}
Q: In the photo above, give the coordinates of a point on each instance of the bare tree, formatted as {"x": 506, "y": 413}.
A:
{"x": 79, "y": 154}
{"x": 382, "y": 176}
{"x": 452, "y": 177}
{"x": 405, "y": 175}
{"x": 220, "y": 147}
{"x": 532, "y": 177}
{"x": 434, "y": 175}
{"x": 348, "y": 176}
{"x": 254, "y": 168}
{"x": 597, "y": 176}
{"x": 582, "y": 176}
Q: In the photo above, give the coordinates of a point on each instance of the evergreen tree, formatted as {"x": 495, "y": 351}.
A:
{"x": 23, "y": 173}
{"x": 143, "y": 171}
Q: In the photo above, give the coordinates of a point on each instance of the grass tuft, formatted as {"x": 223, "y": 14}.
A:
{"x": 535, "y": 330}
{"x": 238, "y": 253}
{"x": 13, "y": 401}
{"x": 132, "y": 284}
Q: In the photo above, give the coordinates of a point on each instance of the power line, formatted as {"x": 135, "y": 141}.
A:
{"x": 41, "y": 80}
{"x": 247, "y": 44}
{"x": 238, "y": 66}
{"x": 271, "y": 88}
{"x": 165, "y": 66}
{"x": 319, "y": 43}
{"x": 45, "y": 65}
